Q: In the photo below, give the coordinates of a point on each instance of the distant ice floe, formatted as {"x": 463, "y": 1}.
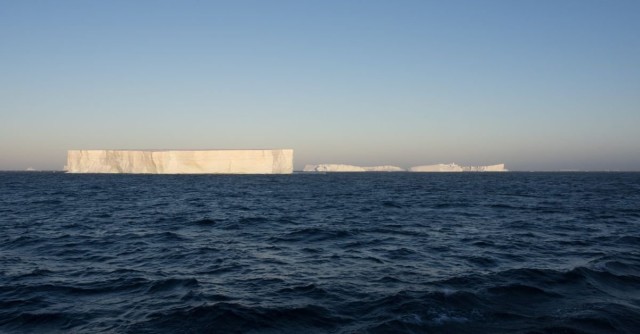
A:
{"x": 452, "y": 167}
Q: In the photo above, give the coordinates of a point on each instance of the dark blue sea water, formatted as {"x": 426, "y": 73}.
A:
{"x": 320, "y": 253}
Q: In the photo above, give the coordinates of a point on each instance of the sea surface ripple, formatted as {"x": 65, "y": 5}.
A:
{"x": 320, "y": 253}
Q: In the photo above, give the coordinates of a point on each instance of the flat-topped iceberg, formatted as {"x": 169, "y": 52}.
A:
{"x": 385, "y": 168}
{"x": 437, "y": 168}
{"x": 349, "y": 168}
{"x": 452, "y": 167}
{"x": 333, "y": 168}
{"x": 181, "y": 162}
{"x": 489, "y": 168}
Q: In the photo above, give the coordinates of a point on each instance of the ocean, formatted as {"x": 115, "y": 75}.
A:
{"x": 320, "y": 253}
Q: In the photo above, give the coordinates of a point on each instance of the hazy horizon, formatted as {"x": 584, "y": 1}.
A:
{"x": 537, "y": 85}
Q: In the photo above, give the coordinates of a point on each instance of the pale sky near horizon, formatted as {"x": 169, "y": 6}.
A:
{"x": 538, "y": 85}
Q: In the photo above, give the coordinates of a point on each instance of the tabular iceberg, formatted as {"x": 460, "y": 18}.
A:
{"x": 452, "y": 167}
{"x": 349, "y": 168}
{"x": 279, "y": 161}
{"x": 332, "y": 168}
{"x": 457, "y": 168}
{"x": 385, "y": 168}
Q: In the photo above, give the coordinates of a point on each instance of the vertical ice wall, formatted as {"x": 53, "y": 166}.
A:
{"x": 278, "y": 161}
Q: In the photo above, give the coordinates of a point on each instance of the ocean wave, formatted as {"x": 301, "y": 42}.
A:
{"x": 373, "y": 253}
{"x": 235, "y": 318}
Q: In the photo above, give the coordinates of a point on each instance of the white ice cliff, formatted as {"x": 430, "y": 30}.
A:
{"x": 278, "y": 161}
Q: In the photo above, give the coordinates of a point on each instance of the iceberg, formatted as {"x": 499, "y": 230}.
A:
{"x": 452, "y": 167}
{"x": 437, "y": 168}
{"x": 385, "y": 168}
{"x": 332, "y": 168}
{"x": 490, "y": 168}
{"x": 349, "y": 168}
{"x": 278, "y": 161}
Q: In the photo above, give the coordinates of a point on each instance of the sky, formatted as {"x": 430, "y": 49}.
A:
{"x": 537, "y": 85}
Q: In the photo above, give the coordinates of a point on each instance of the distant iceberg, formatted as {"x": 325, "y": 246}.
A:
{"x": 349, "y": 168}
{"x": 332, "y": 168}
{"x": 437, "y": 168}
{"x": 385, "y": 168}
{"x": 452, "y": 167}
{"x": 278, "y": 161}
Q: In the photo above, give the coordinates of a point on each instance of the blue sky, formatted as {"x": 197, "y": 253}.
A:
{"x": 538, "y": 85}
